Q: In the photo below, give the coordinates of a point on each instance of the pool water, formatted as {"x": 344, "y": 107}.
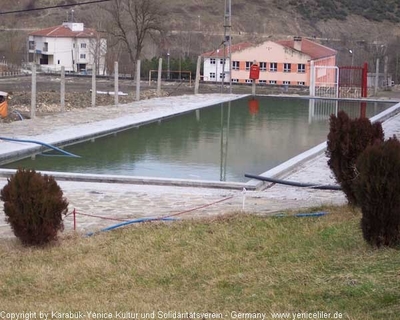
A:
{"x": 221, "y": 142}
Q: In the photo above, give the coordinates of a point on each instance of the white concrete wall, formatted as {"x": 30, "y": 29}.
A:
{"x": 216, "y": 68}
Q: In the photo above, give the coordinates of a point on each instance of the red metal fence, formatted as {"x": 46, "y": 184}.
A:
{"x": 353, "y": 81}
{"x": 353, "y": 84}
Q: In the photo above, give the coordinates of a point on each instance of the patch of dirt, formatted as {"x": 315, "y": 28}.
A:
{"x": 49, "y": 102}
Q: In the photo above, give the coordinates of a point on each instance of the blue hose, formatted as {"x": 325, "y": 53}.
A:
{"x": 19, "y": 114}
{"x": 66, "y": 153}
{"x": 119, "y": 225}
{"x": 302, "y": 215}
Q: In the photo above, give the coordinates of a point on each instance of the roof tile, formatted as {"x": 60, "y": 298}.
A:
{"x": 64, "y": 31}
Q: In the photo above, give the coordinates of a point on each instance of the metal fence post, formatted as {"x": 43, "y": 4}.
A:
{"x": 33, "y": 93}
{"x": 94, "y": 85}
{"x": 138, "y": 80}
{"x": 62, "y": 98}
{"x": 159, "y": 77}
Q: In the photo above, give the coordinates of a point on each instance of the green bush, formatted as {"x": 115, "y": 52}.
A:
{"x": 34, "y": 205}
{"x": 347, "y": 139}
{"x": 377, "y": 189}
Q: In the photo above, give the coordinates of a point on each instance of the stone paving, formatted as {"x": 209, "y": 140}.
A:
{"x": 130, "y": 201}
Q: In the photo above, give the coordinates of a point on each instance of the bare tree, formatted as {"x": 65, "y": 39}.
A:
{"x": 132, "y": 22}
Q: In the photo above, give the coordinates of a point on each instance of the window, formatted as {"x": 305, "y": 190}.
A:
{"x": 248, "y": 65}
{"x": 31, "y": 45}
{"x": 83, "y": 56}
{"x": 287, "y": 67}
{"x": 301, "y": 68}
{"x": 249, "y": 81}
{"x": 286, "y": 82}
{"x": 235, "y": 65}
{"x": 221, "y": 61}
{"x": 262, "y": 81}
{"x": 273, "y": 67}
{"x": 272, "y": 81}
{"x": 212, "y": 61}
{"x": 212, "y": 75}
{"x": 263, "y": 66}
{"x": 235, "y": 80}
{"x": 73, "y": 45}
{"x": 58, "y": 61}
{"x": 83, "y": 45}
{"x": 46, "y": 47}
{"x": 301, "y": 83}
{"x": 221, "y": 75}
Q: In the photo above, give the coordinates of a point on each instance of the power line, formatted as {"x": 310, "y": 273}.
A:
{"x": 54, "y": 7}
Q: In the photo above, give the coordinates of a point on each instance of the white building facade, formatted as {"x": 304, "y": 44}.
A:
{"x": 70, "y": 45}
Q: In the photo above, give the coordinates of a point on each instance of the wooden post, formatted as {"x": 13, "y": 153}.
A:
{"x": 74, "y": 214}
{"x": 197, "y": 81}
{"x": 159, "y": 77}
{"x": 62, "y": 98}
{"x": 376, "y": 77}
{"x": 138, "y": 80}
{"x": 33, "y": 94}
{"x": 116, "y": 83}
{"x": 94, "y": 85}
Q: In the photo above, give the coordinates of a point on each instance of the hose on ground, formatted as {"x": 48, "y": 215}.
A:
{"x": 66, "y": 153}
{"x": 293, "y": 183}
{"x": 122, "y": 224}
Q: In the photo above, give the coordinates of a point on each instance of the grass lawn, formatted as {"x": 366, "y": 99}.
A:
{"x": 238, "y": 263}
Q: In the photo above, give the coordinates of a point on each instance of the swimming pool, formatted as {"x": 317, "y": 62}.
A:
{"x": 221, "y": 142}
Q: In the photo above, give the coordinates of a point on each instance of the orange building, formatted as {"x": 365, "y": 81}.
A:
{"x": 285, "y": 62}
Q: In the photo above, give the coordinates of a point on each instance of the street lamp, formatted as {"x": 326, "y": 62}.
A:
{"x": 352, "y": 56}
{"x": 168, "y": 75}
{"x": 352, "y": 63}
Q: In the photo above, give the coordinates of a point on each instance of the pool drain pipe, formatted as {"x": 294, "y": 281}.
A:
{"x": 293, "y": 183}
{"x": 126, "y": 223}
{"x": 66, "y": 153}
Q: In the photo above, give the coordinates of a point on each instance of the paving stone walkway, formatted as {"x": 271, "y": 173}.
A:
{"x": 130, "y": 201}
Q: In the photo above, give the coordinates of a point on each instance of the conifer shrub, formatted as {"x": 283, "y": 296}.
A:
{"x": 34, "y": 206}
{"x": 377, "y": 189}
{"x": 347, "y": 139}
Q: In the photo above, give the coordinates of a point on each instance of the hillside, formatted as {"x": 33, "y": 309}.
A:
{"x": 364, "y": 26}
{"x": 319, "y": 18}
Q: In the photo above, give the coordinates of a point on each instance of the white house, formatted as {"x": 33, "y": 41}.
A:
{"x": 216, "y": 62}
{"x": 70, "y": 45}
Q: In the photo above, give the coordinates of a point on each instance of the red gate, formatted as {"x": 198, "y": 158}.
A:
{"x": 353, "y": 84}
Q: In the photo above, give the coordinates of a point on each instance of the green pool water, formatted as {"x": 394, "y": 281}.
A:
{"x": 221, "y": 142}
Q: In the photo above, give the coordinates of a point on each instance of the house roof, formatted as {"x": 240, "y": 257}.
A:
{"x": 219, "y": 53}
{"x": 313, "y": 49}
{"x": 64, "y": 31}
{"x": 310, "y": 48}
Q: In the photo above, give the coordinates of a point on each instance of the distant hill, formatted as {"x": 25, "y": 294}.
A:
{"x": 370, "y": 28}
{"x": 314, "y": 17}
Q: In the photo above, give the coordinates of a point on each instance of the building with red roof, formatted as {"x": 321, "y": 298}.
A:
{"x": 70, "y": 45}
{"x": 285, "y": 62}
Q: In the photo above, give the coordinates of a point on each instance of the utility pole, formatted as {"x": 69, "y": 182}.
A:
{"x": 227, "y": 43}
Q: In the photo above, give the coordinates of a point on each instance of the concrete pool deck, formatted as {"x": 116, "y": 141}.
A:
{"x": 131, "y": 201}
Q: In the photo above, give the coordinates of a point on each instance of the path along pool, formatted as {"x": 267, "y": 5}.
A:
{"x": 219, "y": 143}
